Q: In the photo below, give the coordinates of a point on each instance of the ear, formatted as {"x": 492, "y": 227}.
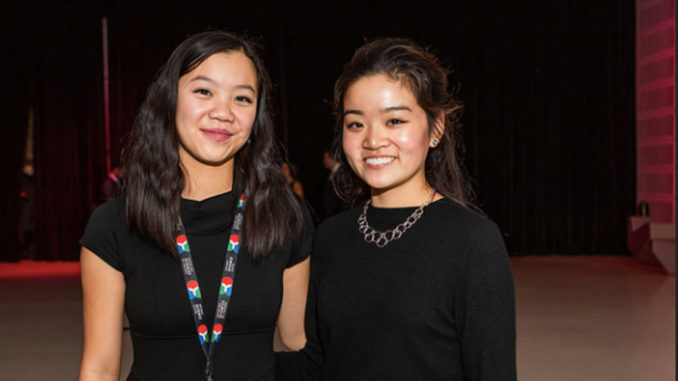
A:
{"x": 438, "y": 130}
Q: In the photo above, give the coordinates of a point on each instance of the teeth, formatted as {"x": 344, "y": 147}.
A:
{"x": 379, "y": 160}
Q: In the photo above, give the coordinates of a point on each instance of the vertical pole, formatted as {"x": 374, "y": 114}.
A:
{"x": 107, "y": 112}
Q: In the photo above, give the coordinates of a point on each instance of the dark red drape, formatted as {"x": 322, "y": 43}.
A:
{"x": 14, "y": 112}
{"x": 69, "y": 144}
{"x": 548, "y": 89}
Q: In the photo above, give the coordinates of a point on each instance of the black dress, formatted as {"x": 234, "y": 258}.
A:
{"x": 166, "y": 346}
{"x": 437, "y": 304}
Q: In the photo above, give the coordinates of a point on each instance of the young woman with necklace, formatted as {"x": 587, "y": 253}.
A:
{"x": 412, "y": 283}
{"x": 207, "y": 250}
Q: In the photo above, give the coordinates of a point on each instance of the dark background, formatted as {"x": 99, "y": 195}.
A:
{"x": 548, "y": 88}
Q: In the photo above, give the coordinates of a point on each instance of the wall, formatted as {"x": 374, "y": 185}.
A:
{"x": 655, "y": 106}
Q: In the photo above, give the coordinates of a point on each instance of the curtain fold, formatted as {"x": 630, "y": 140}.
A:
{"x": 70, "y": 161}
{"x": 548, "y": 88}
{"x": 14, "y": 114}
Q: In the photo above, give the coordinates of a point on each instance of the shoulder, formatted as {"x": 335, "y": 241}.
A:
{"x": 302, "y": 243}
{"x": 462, "y": 220}
{"x": 105, "y": 230}
{"x": 452, "y": 208}
{"x": 339, "y": 221}
{"x": 467, "y": 230}
{"x": 334, "y": 228}
{"x": 110, "y": 213}
{"x": 336, "y": 234}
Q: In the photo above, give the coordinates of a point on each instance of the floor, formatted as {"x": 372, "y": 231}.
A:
{"x": 594, "y": 318}
{"x": 579, "y": 318}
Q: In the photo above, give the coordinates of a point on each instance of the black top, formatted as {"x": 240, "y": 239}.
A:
{"x": 437, "y": 304}
{"x": 332, "y": 204}
{"x": 166, "y": 346}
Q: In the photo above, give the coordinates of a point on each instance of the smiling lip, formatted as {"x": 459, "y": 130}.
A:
{"x": 218, "y": 135}
{"x": 379, "y": 161}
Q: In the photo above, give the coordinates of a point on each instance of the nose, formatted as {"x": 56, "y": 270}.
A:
{"x": 221, "y": 111}
{"x": 374, "y": 137}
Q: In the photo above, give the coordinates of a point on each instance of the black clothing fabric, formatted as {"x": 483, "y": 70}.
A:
{"x": 436, "y": 304}
{"x": 166, "y": 345}
{"x": 332, "y": 204}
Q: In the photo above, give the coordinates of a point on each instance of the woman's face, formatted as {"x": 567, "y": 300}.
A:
{"x": 216, "y": 108}
{"x": 386, "y": 136}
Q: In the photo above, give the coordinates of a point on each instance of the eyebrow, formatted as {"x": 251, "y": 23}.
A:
{"x": 387, "y": 109}
{"x": 353, "y": 111}
{"x": 208, "y": 79}
{"x": 396, "y": 108}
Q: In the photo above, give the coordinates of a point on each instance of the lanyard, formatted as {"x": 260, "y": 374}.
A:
{"x": 208, "y": 341}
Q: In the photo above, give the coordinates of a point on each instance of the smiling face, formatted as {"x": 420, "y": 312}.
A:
{"x": 216, "y": 108}
{"x": 386, "y": 139}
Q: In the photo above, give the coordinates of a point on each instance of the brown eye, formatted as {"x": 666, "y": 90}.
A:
{"x": 394, "y": 121}
{"x": 244, "y": 99}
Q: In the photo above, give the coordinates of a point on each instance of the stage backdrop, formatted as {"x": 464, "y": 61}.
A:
{"x": 548, "y": 89}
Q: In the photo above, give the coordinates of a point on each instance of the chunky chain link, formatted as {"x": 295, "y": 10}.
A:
{"x": 382, "y": 238}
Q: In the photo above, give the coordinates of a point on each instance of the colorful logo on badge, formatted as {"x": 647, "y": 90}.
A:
{"x": 193, "y": 290}
{"x": 226, "y": 286}
{"x": 182, "y": 244}
{"x": 216, "y": 333}
{"x": 241, "y": 202}
{"x": 203, "y": 334}
{"x": 234, "y": 243}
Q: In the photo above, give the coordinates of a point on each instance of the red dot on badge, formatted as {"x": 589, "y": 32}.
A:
{"x": 227, "y": 281}
{"x": 181, "y": 239}
{"x": 202, "y": 329}
{"x": 192, "y": 284}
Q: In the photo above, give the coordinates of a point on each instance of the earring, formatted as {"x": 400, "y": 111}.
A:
{"x": 434, "y": 142}
{"x": 249, "y": 141}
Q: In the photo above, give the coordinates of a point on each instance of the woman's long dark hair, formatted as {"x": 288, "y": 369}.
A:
{"x": 405, "y": 61}
{"x": 154, "y": 179}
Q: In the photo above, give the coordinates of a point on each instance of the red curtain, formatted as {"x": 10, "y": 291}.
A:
{"x": 57, "y": 74}
{"x": 548, "y": 91}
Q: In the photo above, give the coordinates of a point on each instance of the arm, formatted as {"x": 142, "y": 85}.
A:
{"x": 103, "y": 293}
{"x": 291, "y": 316}
{"x": 485, "y": 308}
{"x": 307, "y": 363}
{"x": 298, "y": 189}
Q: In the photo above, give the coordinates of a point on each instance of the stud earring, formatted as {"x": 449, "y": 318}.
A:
{"x": 434, "y": 142}
{"x": 249, "y": 141}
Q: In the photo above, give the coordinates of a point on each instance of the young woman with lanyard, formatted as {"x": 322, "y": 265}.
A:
{"x": 207, "y": 250}
{"x": 412, "y": 283}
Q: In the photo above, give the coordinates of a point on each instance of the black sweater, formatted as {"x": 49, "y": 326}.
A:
{"x": 437, "y": 304}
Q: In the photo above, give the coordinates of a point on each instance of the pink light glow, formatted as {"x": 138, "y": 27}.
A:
{"x": 655, "y": 106}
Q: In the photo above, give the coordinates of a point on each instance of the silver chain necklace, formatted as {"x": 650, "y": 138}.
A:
{"x": 382, "y": 239}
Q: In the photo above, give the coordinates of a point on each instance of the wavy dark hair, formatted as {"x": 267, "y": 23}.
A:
{"x": 154, "y": 179}
{"x": 404, "y": 60}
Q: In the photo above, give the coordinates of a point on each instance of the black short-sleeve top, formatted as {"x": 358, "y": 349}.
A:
{"x": 166, "y": 346}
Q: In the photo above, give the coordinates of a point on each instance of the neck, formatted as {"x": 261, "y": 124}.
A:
{"x": 402, "y": 198}
{"x": 204, "y": 181}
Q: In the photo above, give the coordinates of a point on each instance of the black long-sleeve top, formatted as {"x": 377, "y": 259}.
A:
{"x": 436, "y": 304}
